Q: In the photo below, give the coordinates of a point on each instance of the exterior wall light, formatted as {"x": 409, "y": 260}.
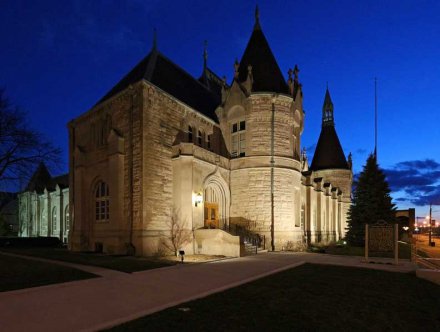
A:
{"x": 198, "y": 199}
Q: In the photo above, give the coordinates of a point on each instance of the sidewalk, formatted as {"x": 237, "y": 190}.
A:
{"x": 94, "y": 304}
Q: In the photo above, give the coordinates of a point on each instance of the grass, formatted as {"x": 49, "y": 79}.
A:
{"x": 404, "y": 250}
{"x": 121, "y": 263}
{"x": 18, "y": 273}
{"x": 309, "y": 298}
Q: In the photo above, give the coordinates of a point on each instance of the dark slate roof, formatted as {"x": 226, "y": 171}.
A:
{"x": 162, "y": 72}
{"x": 266, "y": 73}
{"x": 211, "y": 80}
{"x": 40, "y": 180}
{"x": 328, "y": 153}
{"x": 62, "y": 180}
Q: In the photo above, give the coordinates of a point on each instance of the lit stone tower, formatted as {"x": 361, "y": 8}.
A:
{"x": 262, "y": 119}
{"x": 330, "y": 165}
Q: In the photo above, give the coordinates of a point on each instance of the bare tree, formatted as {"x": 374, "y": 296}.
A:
{"x": 21, "y": 147}
{"x": 177, "y": 235}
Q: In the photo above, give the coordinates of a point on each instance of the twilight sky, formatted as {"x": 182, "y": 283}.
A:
{"x": 58, "y": 58}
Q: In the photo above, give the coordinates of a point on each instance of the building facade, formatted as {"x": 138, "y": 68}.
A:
{"x": 44, "y": 206}
{"x": 163, "y": 150}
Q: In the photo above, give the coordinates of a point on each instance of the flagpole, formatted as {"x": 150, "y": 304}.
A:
{"x": 375, "y": 118}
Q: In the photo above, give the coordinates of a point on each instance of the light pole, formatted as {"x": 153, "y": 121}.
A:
{"x": 430, "y": 225}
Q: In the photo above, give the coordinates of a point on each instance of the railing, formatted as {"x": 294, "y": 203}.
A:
{"x": 247, "y": 236}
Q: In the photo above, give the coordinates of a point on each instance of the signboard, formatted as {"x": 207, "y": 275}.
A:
{"x": 381, "y": 239}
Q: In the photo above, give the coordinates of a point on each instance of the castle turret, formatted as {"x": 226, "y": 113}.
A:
{"x": 329, "y": 161}
{"x": 262, "y": 121}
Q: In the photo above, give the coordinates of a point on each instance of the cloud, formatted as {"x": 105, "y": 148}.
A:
{"x": 417, "y": 180}
{"x": 427, "y": 164}
{"x": 361, "y": 151}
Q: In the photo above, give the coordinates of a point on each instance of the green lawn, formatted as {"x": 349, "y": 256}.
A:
{"x": 17, "y": 273}
{"x": 309, "y": 298}
{"x": 121, "y": 263}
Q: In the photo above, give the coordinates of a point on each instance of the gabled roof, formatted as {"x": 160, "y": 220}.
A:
{"x": 40, "y": 180}
{"x": 162, "y": 72}
{"x": 267, "y": 76}
{"x": 328, "y": 153}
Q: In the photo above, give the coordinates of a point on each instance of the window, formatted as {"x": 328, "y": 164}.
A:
{"x": 43, "y": 225}
{"x": 67, "y": 218}
{"x": 199, "y": 138}
{"x": 190, "y": 134}
{"x": 238, "y": 139}
{"x": 102, "y": 199}
{"x": 209, "y": 142}
{"x": 54, "y": 220}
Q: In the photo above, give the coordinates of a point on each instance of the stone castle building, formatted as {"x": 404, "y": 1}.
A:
{"x": 219, "y": 162}
{"x": 43, "y": 207}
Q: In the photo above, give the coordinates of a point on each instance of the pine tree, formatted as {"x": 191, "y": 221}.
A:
{"x": 371, "y": 202}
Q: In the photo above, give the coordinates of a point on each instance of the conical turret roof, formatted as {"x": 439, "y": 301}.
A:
{"x": 266, "y": 73}
{"x": 328, "y": 153}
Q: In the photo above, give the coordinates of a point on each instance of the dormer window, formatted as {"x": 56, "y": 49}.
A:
{"x": 238, "y": 139}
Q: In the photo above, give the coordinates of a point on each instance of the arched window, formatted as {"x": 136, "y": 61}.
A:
{"x": 66, "y": 218}
{"x": 102, "y": 199}
{"x": 190, "y": 134}
{"x": 54, "y": 220}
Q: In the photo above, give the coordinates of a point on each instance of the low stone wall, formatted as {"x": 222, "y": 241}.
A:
{"x": 217, "y": 242}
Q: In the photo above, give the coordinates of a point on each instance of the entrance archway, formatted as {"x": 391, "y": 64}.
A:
{"x": 217, "y": 202}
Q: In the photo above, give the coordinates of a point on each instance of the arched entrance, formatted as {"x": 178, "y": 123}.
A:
{"x": 217, "y": 202}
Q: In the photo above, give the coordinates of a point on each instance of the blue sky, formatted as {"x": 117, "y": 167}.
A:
{"x": 59, "y": 57}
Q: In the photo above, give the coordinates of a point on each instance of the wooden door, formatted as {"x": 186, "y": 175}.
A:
{"x": 211, "y": 215}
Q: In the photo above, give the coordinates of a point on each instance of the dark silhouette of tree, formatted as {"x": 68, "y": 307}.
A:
{"x": 21, "y": 147}
{"x": 371, "y": 202}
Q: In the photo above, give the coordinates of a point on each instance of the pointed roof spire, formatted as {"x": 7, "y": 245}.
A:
{"x": 154, "y": 48}
{"x": 267, "y": 76}
{"x": 327, "y": 110}
{"x": 257, "y": 18}
{"x": 205, "y": 54}
{"x": 328, "y": 153}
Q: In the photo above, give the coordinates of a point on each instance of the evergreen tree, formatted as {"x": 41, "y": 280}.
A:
{"x": 371, "y": 202}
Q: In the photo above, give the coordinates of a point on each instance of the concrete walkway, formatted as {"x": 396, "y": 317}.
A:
{"x": 94, "y": 304}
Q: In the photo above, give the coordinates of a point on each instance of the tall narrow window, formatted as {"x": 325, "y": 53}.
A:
{"x": 199, "y": 138}
{"x": 54, "y": 220}
{"x": 190, "y": 134}
{"x": 209, "y": 142}
{"x": 67, "y": 218}
{"x": 238, "y": 139}
{"x": 102, "y": 202}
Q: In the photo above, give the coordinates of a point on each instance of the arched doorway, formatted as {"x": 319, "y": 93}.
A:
{"x": 217, "y": 202}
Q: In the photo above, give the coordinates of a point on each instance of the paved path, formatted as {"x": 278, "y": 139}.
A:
{"x": 90, "y": 305}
